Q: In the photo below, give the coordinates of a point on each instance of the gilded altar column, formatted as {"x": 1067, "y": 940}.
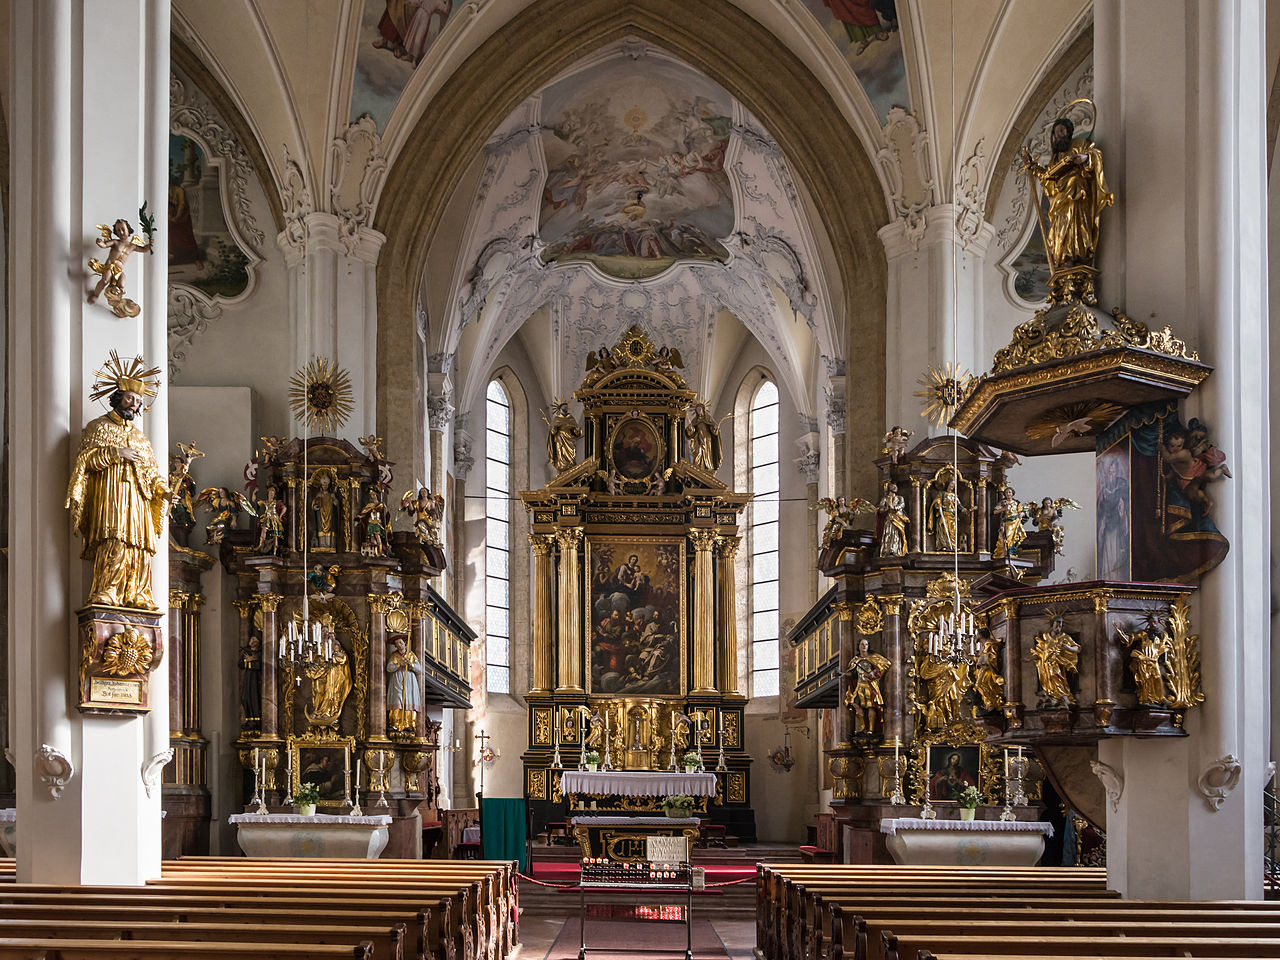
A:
{"x": 894, "y": 652}
{"x": 1012, "y": 664}
{"x": 270, "y": 638}
{"x": 704, "y": 614}
{"x": 543, "y": 598}
{"x": 727, "y": 614}
{"x": 569, "y": 661}
{"x": 982, "y": 518}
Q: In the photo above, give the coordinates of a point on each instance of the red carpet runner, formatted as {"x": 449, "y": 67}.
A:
{"x": 632, "y": 935}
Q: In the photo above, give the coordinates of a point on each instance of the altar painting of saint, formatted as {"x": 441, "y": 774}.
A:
{"x": 326, "y": 767}
{"x": 636, "y": 613}
{"x": 951, "y": 770}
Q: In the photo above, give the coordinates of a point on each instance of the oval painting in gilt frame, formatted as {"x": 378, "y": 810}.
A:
{"x": 635, "y": 448}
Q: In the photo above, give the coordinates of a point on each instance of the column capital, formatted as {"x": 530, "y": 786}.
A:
{"x": 541, "y": 543}
{"x": 703, "y": 540}
{"x": 268, "y": 601}
{"x": 384, "y": 603}
{"x": 569, "y": 537}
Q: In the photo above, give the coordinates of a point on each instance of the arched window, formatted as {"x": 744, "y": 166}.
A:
{"x": 497, "y": 544}
{"x": 764, "y": 541}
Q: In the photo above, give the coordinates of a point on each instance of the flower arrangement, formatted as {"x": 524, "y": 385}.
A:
{"x": 969, "y": 797}
{"x": 690, "y": 759}
{"x": 591, "y": 758}
{"x": 678, "y": 805}
{"x": 308, "y": 795}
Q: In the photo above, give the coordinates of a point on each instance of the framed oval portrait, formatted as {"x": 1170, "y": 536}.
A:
{"x": 636, "y": 448}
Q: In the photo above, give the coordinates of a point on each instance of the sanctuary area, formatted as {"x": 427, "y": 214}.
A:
{"x": 772, "y": 478}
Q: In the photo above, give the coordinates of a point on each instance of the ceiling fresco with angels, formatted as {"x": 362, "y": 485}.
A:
{"x": 635, "y": 168}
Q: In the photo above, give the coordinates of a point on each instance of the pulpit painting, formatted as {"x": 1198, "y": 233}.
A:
{"x": 635, "y": 167}
{"x": 953, "y": 769}
{"x": 202, "y": 251}
{"x": 636, "y": 613}
{"x": 327, "y": 765}
{"x": 1113, "y": 512}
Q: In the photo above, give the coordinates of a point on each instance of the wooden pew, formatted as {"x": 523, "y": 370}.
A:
{"x": 67, "y": 949}
{"x": 978, "y": 945}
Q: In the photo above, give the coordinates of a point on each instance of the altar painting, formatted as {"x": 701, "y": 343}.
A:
{"x": 635, "y": 168}
{"x": 636, "y": 612}
{"x": 952, "y": 769}
{"x": 325, "y": 764}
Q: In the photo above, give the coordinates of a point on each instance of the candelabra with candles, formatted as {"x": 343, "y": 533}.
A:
{"x": 305, "y": 645}
{"x": 955, "y": 638}
{"x": 893, "y": 775}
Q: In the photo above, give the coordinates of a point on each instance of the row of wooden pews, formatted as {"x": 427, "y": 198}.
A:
{"x": 849, "y": 912}
{"x": 245, "y": 909}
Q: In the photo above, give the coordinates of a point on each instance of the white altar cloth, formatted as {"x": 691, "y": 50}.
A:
{"x": 321, "y": 835}
{"x": 638, "y": 783}
{"x": 965, "y": 842}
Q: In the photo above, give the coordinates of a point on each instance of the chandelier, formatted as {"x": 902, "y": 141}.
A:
{"x": 955, "y": 638}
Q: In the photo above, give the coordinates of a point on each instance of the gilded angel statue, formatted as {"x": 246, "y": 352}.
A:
{"x": 225, "y": 505}
{"x": 120, "y": 239}
{"x": 1046, "y": 516}
{"x": 427, "y": 510}
{"x": 841, "y": 515}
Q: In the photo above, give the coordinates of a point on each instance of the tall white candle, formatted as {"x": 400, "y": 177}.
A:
{"x": 358, "y": 773}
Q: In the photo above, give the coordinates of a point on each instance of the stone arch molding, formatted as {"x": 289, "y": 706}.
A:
{"x": 191, "y": 310}
{"x": 532, "y": 49}
{"x": 772, "y": 280}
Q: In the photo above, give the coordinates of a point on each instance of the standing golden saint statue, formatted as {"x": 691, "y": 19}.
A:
{"x": 562, "y": 437}
{"x": 118, "y": 495}
{"x": 1056, "y": 654}
{"x": 1077, "y": 192}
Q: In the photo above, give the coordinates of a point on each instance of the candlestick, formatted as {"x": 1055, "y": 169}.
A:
{"x": 358, "y": 765}
{"x": 288, "y": 777}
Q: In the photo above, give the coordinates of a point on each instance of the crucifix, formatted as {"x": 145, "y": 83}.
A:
{"x": 484, "y": 739}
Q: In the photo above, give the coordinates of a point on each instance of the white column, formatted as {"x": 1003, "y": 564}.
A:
{"x": 89, "y": 143}
{"x": 934, "y": 302}
{"x": 1181, "y": 107}
{"x": 333, "y": 306}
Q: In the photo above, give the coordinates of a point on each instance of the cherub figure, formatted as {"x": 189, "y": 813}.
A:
{"x": 427, "y": 510}
{"x": 373, "y": 449}
{"x": 225, "y": 505}
{"x": 840, "y": 516}
{"x": 122, "y": 242}
{"x": 1046, "y": 515}
{"x": 1194, "y": 461}
{"x": 895, "y": 443}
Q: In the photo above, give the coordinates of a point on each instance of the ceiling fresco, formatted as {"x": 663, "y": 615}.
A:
{"x": 866, "y": 33}
{"x": 635, "y": 168}
{"x": 394, "y": 37}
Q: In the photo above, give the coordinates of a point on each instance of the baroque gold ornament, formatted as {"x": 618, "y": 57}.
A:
{"x": 321, "y": 396}
{"x": 127, "y": 654}
{"x": 945, "y": 389}
{"x": 1182, "y": 659}
{"x": 118, "y": 495}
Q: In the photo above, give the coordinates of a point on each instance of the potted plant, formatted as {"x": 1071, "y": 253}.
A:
{"x": 306, "y": 798}
{"x": 690, "y": 761}
{"x": 677, "y": 805}
{"x": 968, "y": 798}
{"x": 592, "y": 759}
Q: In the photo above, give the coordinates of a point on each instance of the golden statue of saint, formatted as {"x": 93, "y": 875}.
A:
{"x": 1011, "y": 512}
{"x": 891, "y": 522}
{"x": 562, "y": 437}
{"x": 118, "y": 496}
{"x": 944, "y": 687}
{"x": 1077, "y": 194}
{"x": 986, "y": 677}
{"x": 1056, "y": 654}
{"x": 944, "y": 512}
{"x": 1146, "y": 648}
{"x": 704, "y": 438}
{"x": 330, "y": 685}
{"x": 864, "y": 697}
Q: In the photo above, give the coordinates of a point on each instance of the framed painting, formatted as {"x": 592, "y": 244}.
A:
{"x": 327, "y": 764}
{"x": 636, "y": 616}
{"x": 636, "y": 449}
{"x": 957, "y": 758}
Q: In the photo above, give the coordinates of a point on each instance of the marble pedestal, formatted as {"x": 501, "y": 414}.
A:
{"x": 321, "y": 835}
{"x": 1006, "y": 843}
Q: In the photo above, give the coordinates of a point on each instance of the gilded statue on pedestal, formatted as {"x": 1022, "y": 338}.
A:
{"x": 375, "y": 519}
{"x": 891, "y": 522}
{"x": 944, "y": 514}
{"x": 1046, "y": 516}
{"x": 895, "y": 443}
{"x": 182, "y": 515}
{"x": 865, "y": 698}
{"x": 704, "y": 438}
{"x": 120, "y": 239}
{"x": 1077, "y": 192}
{"x": 945, "y": 685}
{"x": 427, "y": 510}
{"x": 563, "y": 434}
{"x": 1056, "y": 654}
{"x": 1011, "y": 513}
{"x": 117, "y": 495}
{"x": 986, "y": 678}
{"x": 324, "y": 512}
{"x": 404, "y": 688}
{"x": 225, "y": 504}
{"x": 271, "y": 524}
{"x": 1146, "y": 648}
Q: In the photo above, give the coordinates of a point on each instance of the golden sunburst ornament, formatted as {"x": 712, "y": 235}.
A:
{"x": 944, "y": 390}
{"x": 320, "y": 395}
{"x": 635, "y": 118}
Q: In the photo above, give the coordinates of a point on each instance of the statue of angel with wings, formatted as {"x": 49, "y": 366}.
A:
{"x": 1046, "y": 516}
{"x": 225, "y": 505}
{"x": 427, "y": 510}
{"x": 121, "y": 241}
{"x": 840, "y": 515}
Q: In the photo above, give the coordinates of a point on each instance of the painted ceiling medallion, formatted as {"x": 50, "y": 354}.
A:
{"x": 945, "y": 388}
{"x": 320, "y": 395}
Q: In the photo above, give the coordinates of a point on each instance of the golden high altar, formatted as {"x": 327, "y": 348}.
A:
{"x": 634, "y": 621}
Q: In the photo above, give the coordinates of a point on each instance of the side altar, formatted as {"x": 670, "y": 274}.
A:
{"x": 634, "y": 621}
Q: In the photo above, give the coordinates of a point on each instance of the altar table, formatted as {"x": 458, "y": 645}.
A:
{"x": 637, "y": 783}
{"x": 623, "y": 838}
{"x": 911, "y": 840}
{"x": 320, "y": 835}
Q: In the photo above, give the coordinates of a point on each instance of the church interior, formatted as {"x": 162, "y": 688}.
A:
{"x": 796, "y": 471}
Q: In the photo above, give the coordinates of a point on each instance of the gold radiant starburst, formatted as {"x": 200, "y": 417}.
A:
{"x": 320, "y": 395}
{"x": 635, "y": 118}
{"x": 944, "y": 390}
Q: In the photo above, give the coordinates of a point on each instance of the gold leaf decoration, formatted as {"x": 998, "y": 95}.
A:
{"x": 321, "y": 396}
